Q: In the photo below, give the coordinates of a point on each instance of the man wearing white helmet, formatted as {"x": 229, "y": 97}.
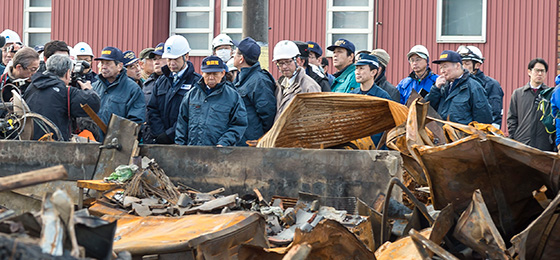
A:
{"x": 294, "y": 80}
{"x": 177, "y": 79}
{"x": 84, "y": 52}
{"x": 11, "y": 38}
{"x": 222, "y": 46}
{"x": 472, "y": 60}
{"x": 421, "y": 78}
{"x": 256, "y": 87}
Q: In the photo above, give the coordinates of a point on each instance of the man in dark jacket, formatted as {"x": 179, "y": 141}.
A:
{"x": 158, "y": 63}
{"x": 472, "y": 60}
{"x": 523, "y": 119}
{"x": 381, "y": 79}
{"x": 256, "y": 87}
{"x": 367, "y": 67}
{"x": 178, "y": 78}
{"x": 50, "y": 96}
{"x": 456, "y": 95}
{"x": 51, "y": 48}
{"x": 212, "y": 113}
{"x": 118, "y": 93}
{"x": 83, "y": 51}
{"x": 311, "y": 70}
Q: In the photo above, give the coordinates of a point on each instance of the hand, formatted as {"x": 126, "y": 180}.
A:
{"x": 219, "y": 145}
{"x": 440, "y": 81}
{"x": 86, "y": 85}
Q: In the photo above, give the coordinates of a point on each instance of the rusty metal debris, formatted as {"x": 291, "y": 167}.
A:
{"x": 321, "y": 120}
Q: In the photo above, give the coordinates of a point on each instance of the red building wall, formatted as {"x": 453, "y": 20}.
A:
{"x": 517, "y": 31}
{"x": 12, "y": 16}
{"x": 125, "y": 24}
{"x": 296, "y": 20}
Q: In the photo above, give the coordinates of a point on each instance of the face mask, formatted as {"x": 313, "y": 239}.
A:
{"x": 224, "y": 54}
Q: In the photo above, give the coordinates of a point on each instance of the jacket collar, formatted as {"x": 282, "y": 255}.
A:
{"x": 344, "y": 72}
{"x": 426, "y": 74}
{"x": 119, "y": 78}
{"x": 244, "y": 73}
{"x": 527, "y": 86}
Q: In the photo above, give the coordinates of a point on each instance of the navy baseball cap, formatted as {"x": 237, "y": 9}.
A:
{"x": 343, "y": 43}
{"x": 314, "y": 47}
{"x": 212, "y": 64}
{"x": 249, "y": 48}
{"x": 449, "y": 56}
{"x": 158, "y": 50}
{"x": 129, "y": 58}
{"x": 111, "y": 53}
{"x": 366, "y": 59}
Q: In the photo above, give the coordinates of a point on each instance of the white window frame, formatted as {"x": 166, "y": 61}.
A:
{"x": 460, "y": 39}
{"x": 173, "y": 30}
{"x": 26, "y": 29}
{"x": 225, "y": 10}
{"x": 369, "y": 31}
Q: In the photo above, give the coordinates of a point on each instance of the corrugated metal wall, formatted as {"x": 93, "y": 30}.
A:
{"x": 125, "y": 24}
{"x": 12, "y": 16}
{"x": 517, "y": 31}
{"x": 296, "y": 20}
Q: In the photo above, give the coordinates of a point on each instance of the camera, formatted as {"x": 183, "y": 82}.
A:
{"x": 78, "y": 72}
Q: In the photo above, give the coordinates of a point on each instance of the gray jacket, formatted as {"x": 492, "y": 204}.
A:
{"x": 523, "y": 119}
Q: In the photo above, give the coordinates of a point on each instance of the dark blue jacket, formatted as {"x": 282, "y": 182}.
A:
{"x": 123, "y": 98}
{"x": 218, "y": 118}
{"x": 375, "y": 91}
{"x": 149, "y": 85}
{"x": 49, "y": 96}
{"x": 163, "y": 107}
{"x": 465, "y": 103}
{"x": 412, "y": 82}
{"x": 494, "y": 94}
{"x": 256, "y": 87}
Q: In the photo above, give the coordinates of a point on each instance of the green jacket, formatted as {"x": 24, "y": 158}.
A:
{"x": 345, "y": 81}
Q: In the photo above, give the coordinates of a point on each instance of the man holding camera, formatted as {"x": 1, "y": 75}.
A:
{"x": 50, "y": 96}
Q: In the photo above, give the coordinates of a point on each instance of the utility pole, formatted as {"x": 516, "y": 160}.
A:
{"x": 255, "y": 25}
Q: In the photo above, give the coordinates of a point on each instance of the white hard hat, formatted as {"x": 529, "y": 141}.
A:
{"x": 419, "y": 50}
{"x": 230, "y": 65}
{"x": 285, "y": 50}
{"x": 470, "y": 53}
{"x": 11, "y": 36}
{"x": 82, "y": 48}
{"x": 175, "y": 47}
{"x": 221, "y": 39}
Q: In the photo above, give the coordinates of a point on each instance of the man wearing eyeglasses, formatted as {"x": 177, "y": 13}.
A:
{"x": 293, "y": 80}
{"x": 421, "y": 78}
{"x": 457, "y": 95}
{"x": 523, "y": 120}
{"x": 17, "y": 75}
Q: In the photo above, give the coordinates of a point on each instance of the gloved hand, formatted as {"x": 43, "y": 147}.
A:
{"x": 163, "y": 139}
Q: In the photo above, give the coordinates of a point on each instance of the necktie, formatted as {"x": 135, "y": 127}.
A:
{"x": 175, "y": 78}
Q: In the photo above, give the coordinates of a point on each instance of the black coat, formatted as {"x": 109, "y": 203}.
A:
{"x": 163, "y": 106}
{"x": 48, "y": 95}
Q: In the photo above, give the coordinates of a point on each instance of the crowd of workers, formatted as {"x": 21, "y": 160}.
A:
{"x": 233, "y": 100}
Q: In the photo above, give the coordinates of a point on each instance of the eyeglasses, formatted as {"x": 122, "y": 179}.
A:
{"x": 415, "y": 60}
{"x": 32, "y": 69}
{"x": 539, "y": 71}
{"x": 283, "y": 63}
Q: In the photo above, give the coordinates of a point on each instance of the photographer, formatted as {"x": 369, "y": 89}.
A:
{"x": 50, "y": 96}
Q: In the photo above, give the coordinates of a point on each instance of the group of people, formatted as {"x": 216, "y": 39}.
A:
{"x": 233, "y": 100}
